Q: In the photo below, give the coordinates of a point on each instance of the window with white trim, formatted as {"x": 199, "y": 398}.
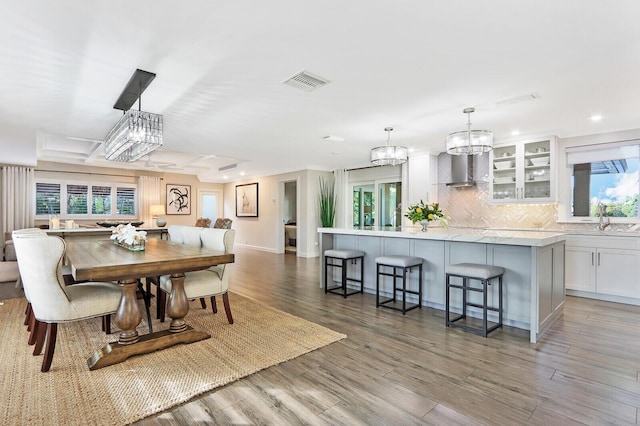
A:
{"x": 85, "y": 201}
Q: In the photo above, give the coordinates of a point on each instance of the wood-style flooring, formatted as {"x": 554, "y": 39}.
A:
{"x": 402, "y": 370}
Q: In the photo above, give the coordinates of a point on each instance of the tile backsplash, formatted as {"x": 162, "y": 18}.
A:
{"x": 471, "y": 207}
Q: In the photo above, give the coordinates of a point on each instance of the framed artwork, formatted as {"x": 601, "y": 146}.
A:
{"x": 247, "y": 200}
{"x": 178, "y": 199}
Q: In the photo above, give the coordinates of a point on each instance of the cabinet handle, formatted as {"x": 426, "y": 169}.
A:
{"x": 598, "y": 258}
{"x": 591, "y": 258}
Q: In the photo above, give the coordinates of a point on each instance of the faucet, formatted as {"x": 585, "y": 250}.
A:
{"x": 601, "y": 210}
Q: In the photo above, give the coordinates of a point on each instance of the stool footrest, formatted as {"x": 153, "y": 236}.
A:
{"x": 341, "y": 292}
{"x": 410, "y": 306}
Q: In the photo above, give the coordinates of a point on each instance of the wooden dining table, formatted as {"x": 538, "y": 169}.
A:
{"x": 102, "y": 260}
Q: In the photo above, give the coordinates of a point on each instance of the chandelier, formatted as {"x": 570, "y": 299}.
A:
{"x": 469, "y": 142}
{"x": 137, "y": 133}
{"x": 389, "y": 155}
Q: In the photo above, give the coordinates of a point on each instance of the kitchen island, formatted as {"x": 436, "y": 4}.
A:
{"x": 534, "y": 289}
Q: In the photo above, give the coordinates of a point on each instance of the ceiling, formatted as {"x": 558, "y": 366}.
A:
{"x": 411, "y": 65}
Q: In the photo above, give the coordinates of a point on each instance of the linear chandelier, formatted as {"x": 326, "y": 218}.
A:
{"x": 137, "y": 133}
{"x": 389, "y": 155}
{"x": 469, "y": 142}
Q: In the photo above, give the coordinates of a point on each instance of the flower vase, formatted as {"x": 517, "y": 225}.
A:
{"x": 424, "y": 223}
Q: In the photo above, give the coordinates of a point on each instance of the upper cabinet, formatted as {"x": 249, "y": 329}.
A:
{"x": 524, "y": 171}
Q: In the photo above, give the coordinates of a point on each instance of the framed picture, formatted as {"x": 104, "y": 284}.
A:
{"x": 178, "y": 199}
{"x": 247, "y": 200}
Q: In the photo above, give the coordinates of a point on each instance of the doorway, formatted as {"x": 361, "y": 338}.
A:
{"x": 210, "y": 205}
{"x": 290, "y": 219}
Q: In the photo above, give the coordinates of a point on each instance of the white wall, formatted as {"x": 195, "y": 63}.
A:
{"x": 266, "y": 232}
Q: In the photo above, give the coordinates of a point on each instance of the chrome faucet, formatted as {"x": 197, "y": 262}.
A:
{"x": 601, "y": 210}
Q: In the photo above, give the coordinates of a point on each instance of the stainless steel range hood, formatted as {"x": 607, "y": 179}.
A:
{"x": 462, "y": 171}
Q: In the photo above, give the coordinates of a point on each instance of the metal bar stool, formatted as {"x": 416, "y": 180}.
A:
{"x": 400, "y": 264}
{"x": 484, "y": 274}
{"x": 342, "y": 256}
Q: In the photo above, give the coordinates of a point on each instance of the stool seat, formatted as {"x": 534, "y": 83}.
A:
{"x": 474, "y": 270}
{"x": 343, "y": 254}
{"x": 399, "y": 261}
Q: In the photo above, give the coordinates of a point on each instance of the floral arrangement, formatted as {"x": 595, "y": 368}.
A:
{"x": 128, "y": 236}
{"x": 428, "y": 212}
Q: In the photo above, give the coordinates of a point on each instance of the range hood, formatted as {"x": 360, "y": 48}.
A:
{"x": 462, "y": 171}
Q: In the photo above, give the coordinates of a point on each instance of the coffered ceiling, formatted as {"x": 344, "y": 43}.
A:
{"x": 220, "y": 65}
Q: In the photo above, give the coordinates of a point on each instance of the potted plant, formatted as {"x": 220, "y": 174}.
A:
{"x": 327, "y": 203}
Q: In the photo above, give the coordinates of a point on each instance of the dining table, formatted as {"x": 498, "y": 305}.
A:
{"x": 102, "y": 260}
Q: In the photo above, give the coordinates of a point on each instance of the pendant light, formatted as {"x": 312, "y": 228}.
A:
{"x": 389, "y": 155}
{"x": 469, "y": 142}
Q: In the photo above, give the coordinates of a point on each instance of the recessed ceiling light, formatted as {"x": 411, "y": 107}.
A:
{"x": 225, "y": 177}
{"x": 412, "y": 149}
{"x": 241, "y": 173}
{"x": 515, "y": 133}
{"x": 333, "y": 138}
{"x": 596, "y": 117}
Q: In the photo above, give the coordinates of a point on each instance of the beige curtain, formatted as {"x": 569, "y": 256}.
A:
{"x": 16, "y": 198}
{"x": 149, "y": 193}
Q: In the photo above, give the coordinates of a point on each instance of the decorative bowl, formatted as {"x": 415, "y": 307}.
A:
{"x": 110, "y": 224}
{"x": 501, "y": 165}
{"x": 539, "y": 161}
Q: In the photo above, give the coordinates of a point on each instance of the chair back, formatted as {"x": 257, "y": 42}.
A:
{"x": 175, "y": 233}
{"x": 219, "y": 240}
{"x": 191, "y": 236}
{"x": 223, "y": 223}
{"x": 40, "y": 261}
{"x": 203, "y": 222}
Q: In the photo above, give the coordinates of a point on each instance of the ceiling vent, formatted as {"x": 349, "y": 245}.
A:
{"x": 229, "y": 167}
{"x": 305, "y": 81}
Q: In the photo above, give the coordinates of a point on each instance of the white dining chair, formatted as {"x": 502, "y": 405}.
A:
{"x": 210, "y": 282}
{"x": 40, "y": 261}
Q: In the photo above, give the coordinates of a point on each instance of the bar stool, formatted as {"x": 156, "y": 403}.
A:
{"x": 342, "y": 256}
{"x": 400, "y": 264}
{"x": 484, "y": 274}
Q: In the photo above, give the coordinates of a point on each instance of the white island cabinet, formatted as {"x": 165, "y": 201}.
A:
{"x": 533, "y": 261}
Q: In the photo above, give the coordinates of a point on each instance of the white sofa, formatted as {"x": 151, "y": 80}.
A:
{"x": 9, "y": 273}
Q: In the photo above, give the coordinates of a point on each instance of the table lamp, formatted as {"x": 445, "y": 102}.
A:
{"x": 157, "y": 211}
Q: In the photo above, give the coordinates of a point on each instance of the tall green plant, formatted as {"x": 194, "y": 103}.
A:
{"x": 327, "y": 203}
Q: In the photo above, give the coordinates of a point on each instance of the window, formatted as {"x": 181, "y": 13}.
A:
{"x": 80, "y": 200}
{"x": 47, "y": 198}
{"x": 608, "y": 175}
{"x": 383, "y": 210}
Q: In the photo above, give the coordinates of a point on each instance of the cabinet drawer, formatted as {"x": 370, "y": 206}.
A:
{"x": 603, "y": 241}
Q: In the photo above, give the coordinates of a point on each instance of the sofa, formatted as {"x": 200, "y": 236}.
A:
{"x": 9, "y": 273}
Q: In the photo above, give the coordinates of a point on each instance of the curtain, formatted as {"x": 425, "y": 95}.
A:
{"x": 17, "y": 199}
{"x": 341, "y": 179}
{"x": 149, "y": 194}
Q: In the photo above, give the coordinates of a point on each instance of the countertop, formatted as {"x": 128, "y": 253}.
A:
{"x": 476, "y": 235}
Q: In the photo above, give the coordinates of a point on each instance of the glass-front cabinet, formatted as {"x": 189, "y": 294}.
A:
{"x": 523, "y": 172}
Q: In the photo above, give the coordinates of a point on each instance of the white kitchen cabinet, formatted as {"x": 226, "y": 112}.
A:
{"x": 523, "y": 172}
{"x": 603, "y": 267}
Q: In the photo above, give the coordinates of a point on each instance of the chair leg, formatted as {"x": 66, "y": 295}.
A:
{"x": 227, "y": 308}
{"x": 162, "y": 304}
{"x": 52, "y": 331}
{"x": 203, "y": 303}
{"x": 147, "y": 303}
{"x": 214, "y": 307}
{"x": 41, "y": 330}
{"x": 106, "y": 324}
{"x": 31, "y": 321}
{"x": 27, "y": 314}
{"x": 33, "y": 335}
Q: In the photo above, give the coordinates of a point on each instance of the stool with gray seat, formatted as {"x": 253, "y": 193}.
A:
{"x": 484, "y": 274}
{"x": 338, "y": 259}
{"x": 402, "y": 265}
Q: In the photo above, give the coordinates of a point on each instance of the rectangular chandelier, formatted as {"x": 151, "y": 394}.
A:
{"x": 136, "y": 134}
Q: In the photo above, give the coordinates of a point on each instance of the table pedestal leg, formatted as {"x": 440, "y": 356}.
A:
{"x": 178, "y": 304}
{"x": 128, "y": 315}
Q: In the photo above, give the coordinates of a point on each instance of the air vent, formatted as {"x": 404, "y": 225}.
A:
{"x": 305, "y": 81}
{"x": 517, "y": 99}
{"x": 229, "y": 167}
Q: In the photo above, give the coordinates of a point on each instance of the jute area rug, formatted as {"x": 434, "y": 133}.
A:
{"x": 70, "y": 394}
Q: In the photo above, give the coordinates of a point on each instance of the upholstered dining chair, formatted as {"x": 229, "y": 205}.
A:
{"x": 210, "y": 282}
{"x": 223, "y": 223}
{"x": 40, "y": 260}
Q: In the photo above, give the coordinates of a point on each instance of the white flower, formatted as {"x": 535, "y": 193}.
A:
{"x": 127, "y": 234}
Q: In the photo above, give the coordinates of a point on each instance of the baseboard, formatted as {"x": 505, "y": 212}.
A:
{"x": 260, "y": 248}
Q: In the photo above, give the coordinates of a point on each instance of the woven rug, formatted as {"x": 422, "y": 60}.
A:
{"x": 70, "y": 394}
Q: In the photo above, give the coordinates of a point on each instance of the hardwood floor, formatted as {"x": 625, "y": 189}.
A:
{"x": 395, "y": 369}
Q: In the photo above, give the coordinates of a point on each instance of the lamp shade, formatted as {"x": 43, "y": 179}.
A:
{"x": 469, "y": 142}
{"x": 157, "y": 210}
